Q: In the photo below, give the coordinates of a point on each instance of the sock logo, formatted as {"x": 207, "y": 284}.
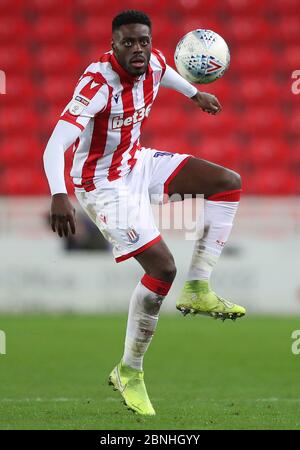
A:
{"x": 221, "y": 243}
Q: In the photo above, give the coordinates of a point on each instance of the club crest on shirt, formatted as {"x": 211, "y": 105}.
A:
{"x": 156, "y": 77}
{"x": 132, "y": 235}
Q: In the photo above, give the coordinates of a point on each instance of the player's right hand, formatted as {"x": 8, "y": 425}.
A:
{"x": 62, "y": 216}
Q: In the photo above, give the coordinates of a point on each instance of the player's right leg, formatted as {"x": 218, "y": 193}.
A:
{"x": 123, "y": 213}
{"x": 145, "y": 303}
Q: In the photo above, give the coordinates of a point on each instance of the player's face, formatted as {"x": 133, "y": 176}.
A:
{"x": 131, "y": 45}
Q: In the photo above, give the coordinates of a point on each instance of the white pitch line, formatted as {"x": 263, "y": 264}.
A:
{"x": 113, "y": 399}
{"x": 39, "y": 399}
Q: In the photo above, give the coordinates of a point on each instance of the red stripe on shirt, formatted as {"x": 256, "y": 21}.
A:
{"x": 88, "y": 91}
{"x": 97, "y": 146}
{"x": 128, "y": 110}
{"x": 148, "y": 99}
{"x": 160, "y": 60}
{"x": 68, "y": 117}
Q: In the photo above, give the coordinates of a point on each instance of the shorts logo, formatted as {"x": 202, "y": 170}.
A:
{"x": 132, "y": 235}
{"x": 83, "y": 100}
{"x": 157, "y": 154}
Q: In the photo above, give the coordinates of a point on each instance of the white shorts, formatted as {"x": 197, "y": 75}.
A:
{"x": 121, "y": 209}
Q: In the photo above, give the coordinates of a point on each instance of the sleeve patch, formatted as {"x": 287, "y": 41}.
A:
{"x": 76, "y": 108}
{"x": 82, "y": 100}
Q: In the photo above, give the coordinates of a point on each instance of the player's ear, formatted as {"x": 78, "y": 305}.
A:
{"x": 112, "y": 44}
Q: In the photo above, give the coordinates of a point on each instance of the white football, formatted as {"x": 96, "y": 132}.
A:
{"x": 202, "y": 56}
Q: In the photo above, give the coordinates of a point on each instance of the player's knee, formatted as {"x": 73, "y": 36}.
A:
{"x": 168, "y": 273}
{"x": 229, "y": 180}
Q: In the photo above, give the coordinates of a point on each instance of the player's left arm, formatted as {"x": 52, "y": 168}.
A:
{"x": 207, "y": 102}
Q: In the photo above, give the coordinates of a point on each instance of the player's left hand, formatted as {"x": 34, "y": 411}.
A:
{"x": 207, "y": 102}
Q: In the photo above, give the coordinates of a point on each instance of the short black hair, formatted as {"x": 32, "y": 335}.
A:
{"x": 130, "y": 16}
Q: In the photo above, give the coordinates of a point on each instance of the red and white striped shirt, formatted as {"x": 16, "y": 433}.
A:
{"x": 104, "y": 119}
{"x": 109, "y": 106}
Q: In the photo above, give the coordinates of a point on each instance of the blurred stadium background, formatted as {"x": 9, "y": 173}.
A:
{"x": 54, "y": 372}
{"x": 46, "y": 45}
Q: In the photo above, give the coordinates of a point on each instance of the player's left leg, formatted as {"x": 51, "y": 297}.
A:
{"x": 221, "y": 188}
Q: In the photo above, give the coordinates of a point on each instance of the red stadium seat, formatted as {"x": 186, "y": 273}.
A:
{"x": 268, "y": 121}
{"x": 247, "y": 29}
{"x": 58, "y": 59}
{"x": 56, "y": 29}
{"x": 12, "y": 29}
{"x": 168, "y": 143}
{"x": 92, "y": 7}
{"x": 259, "y": 90}
{"x": 13, "y": 57}
{"x": 24, "y": 181}
{"x": 20, "y": 150}
{"x": 9, "y": 7}
{"x": 201, "y": 123}
{"x": 192, "y": 22}
{"x": 284, "y": 7}
{"x": 163, "y": 31}
{"x": 288, "y": 30}
{"x": 225, "y": 152}
{"x": 163, "y": 121}
{"x": 15, "y": 119}
{"x": 20, "y": 89}
{"x": 223, "y": 90}
{"x": 293, "y": 124}
{"x": 244, "y": 6}
{"x": 290, "y": 58}
{"x": 257, "y": 60}
{"x": 268, "y": 152}
{"x": 57, "y": 89}
{"x": 197, "y": 7}
{"x": 92, "y": 53}
{"x": 270, "y": 182}
{"x": 94, "y": 32}
{"x": 50, "y": 117}
{"x": 51, "y": 6}
{"x": 295, "y": 152}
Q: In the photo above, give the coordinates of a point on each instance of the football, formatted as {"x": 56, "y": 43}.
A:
{"x": 202, "y": 56}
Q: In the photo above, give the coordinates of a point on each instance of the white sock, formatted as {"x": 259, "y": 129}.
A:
{"x": 218, "y": 222}
{"x": 142, "y": 320}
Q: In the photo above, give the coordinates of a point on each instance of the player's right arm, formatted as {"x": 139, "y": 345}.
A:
{"x": 62, "y": 214}
{"x": 90, "y": 97}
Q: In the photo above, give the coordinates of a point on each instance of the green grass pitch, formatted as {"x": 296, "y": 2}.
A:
{"x": 200, "y": 373}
